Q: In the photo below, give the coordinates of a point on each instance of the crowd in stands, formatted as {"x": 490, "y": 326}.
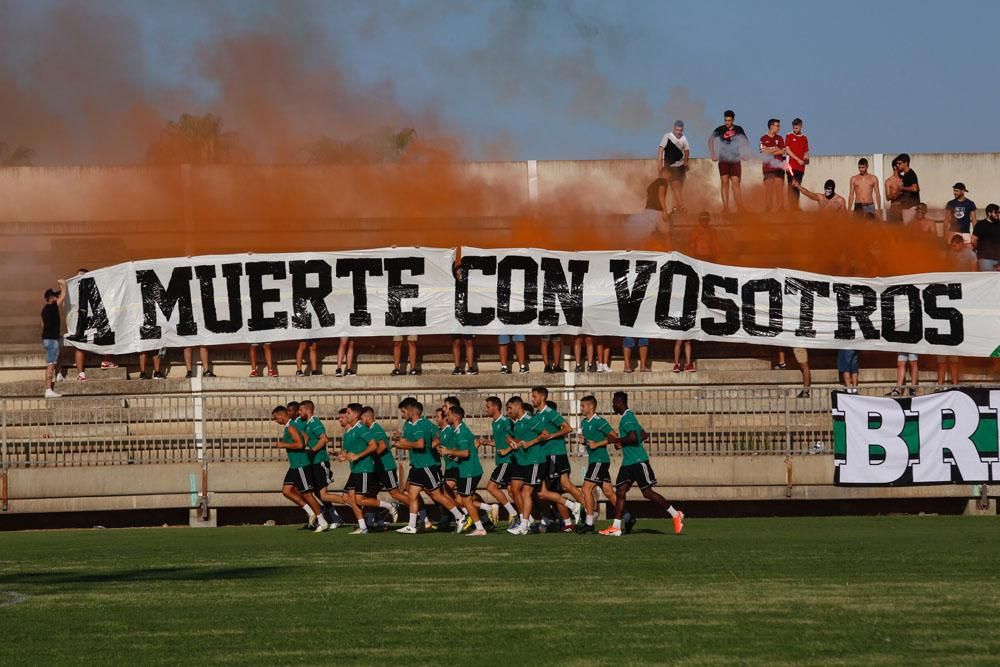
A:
{"x": 974, "y": 243}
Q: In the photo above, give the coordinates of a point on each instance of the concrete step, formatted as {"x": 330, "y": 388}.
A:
{"x": 740, "y": 364}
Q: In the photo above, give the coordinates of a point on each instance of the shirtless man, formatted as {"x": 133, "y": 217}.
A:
{"x": 829, "y": 200}
{"x": 893, "y": 185}
{"x": 865, "y": 197}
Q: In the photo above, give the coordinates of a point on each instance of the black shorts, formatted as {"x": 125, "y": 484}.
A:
{"x": 426, "y": 478}
{"x": 321, "y": 475}
{"x": 796, "y": 176}
{"x": 677, "y": 173}
{"x": 463, "y": 336}
{"x": 365, "y": 483}
{"x": 558, "y": 465}
{"x": 531, "y": 474}
{"x": 640, "y": 473}
{"x": 501, "y": 474}
{"x": 598, "y": 473}
{"x": 451, "y": 474}
{"x": 388, "y": 479}
{"x": 780, "y": 175}
{"x": 467, "y": 485}
{"x": 299, "y": 478}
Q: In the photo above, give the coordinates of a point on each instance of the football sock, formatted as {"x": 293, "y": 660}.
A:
{"x": 308, "y": 510}
{"x": 590, "y": 519}
{"x": 511, "y": 510}
{"x": 671, "y": 511}
{"x": 572, "y": 505}
{"x": 322, "y": 521}
{"x": 617, "y": 523}
{"x": 413, "y": 521}
{"x": 479, "y": 525}
{"x": 458, "y": 515}
{"x": 384, "y": 505}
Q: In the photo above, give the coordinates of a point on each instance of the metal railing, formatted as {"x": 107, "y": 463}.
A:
{"x": 236, "y": 427}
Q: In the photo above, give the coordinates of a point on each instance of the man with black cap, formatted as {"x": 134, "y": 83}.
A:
{"x": 986, "y": 240}
{"x": 829, "y": 200}
{"x": 51, "y": 338}
{"x": 961, "y": 211}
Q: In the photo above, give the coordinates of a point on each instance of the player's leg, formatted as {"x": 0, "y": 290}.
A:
{"x": 269, "y": 360}
{"x": 646, "y": 480}
{"x": 300, "y": 353}
{"x": 500, "y": 480}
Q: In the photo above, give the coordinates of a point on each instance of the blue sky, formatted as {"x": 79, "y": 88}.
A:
{"x": 590, "y": 79}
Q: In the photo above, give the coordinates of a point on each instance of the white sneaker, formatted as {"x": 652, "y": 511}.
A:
{"x": 51, "y": 393}
{"x": 81, "y": 377}
{"x": 60, "y": 377}
{"x": 460, "y": 526}
{"x": 428, "y": 524}
{"x": 515, "y": 530}
{"x": 407, "y": 530}
{"x": 478, "y": 532}
{"x": 578, "y": 514}
{"x": 323, "y": 527}
{"x": 394, "y": 512}
{"x": 313, "y": 520}
{"x": 360, "y": 531}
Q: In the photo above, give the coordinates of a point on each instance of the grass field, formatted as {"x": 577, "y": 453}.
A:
{"x": 893, "y": 590}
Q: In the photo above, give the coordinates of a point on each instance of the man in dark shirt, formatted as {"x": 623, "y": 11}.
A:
{"x": 727, "y": 145}
{"x": 986, "y": 239}
{"x": 909, "y": 189}
{"x": 51, "y": 337}
{"x": 961, "y": 211}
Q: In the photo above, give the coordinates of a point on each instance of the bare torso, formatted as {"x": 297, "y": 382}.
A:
{"x": 864, "y": 188}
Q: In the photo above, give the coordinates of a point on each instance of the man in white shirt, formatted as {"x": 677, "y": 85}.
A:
{"x": 673, "y": 154}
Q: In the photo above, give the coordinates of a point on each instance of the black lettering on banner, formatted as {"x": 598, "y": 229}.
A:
{"x": 176, "y": 295}
{"x": 861, "y": 313}
{"x": 956, "y": 333}
{"x": 398, "y": 290}
{"x": 487, "y": 265}
{"x": 809, "y": 290}
{"x": 915, "y": 332}
{"x": 359, "y": 269}
{"x": 554, "y": 288}
{"x": 90, "y": 314}
{"x": 206, "y": 282}
{"x": 260, "y": 296}
{"x": 713, "y": 301}
{"x": 630, "y": 300}
{"x": 303, "y": 297}
{"x": 775, "y": 316}
{"x": 689, "y": 306}
{"x": 505, "y": 269}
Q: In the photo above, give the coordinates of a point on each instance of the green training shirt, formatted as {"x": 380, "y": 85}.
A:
{"x": 413, "y": 431}
{"x": 447, "y": 437}
{"x": 356, "y": 441}
{"x": 312, "y": 430}
{"x": 463, "y": 440}
{"x": 631, "y": 453}
{"x": 378, "y": 434}
{"x": 529, "y": 428}
{"x": 297, "y": 458}
{"x": 501, "y": 429}
{"x": 550, "y": 420}
{"x": 596, "y": 429}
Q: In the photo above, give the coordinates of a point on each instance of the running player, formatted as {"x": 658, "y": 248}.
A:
{"x": 371, "y": 500}
{"x": 463, "y": 449}
{"x": 425, "y": 468}
{"x": 504, "y": 464}
{"x": 596, "y": 430}
{"x": 359, "y": 450}
{"x": 320, "y": 473}
{"x": 385, "y": 464}
{"x": 635, "y": 468}
{"x": 554, "y": 431}
{"x": 297, "y": 485}
{"x": 530, "y": 456}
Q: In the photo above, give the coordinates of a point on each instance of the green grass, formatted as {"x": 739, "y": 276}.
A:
{"x": 892, "y": 590}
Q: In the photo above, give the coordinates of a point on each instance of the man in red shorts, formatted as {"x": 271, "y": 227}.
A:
{"x": 772, "y": 147}
{"x": 726, "y": 145}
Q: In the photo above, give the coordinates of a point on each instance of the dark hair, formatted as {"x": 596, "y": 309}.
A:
{"x": 551, "y": 405}
{"x": 863, "y": 161}
{"x": 992, "y": 207}
{"x": 368, "y": 409}
{"x": 292, "y": 405}
{"x": 452, "y": 400}
{"x": 620, "y": 396}
{"x": 418, "y": 406}
{"x": 796, "y": 121}
{"x": 902, "y": 157}
{"x": 342, "y": 411}
{"x": 540, "y": 390}
{"x": 772, "y": 121}
{"x": 495, "y": 401}
{"x": 458, "y": 410}
{"x": 515, "y": 400}
{"x": 407, "y": 402}
{"x": 280, "y": 410}
{"x": 729, "y": 113}
{"x": 356, "y": 408}
{"x": 589, "y": 398}
{"x": 307, "y": 404}
{"x": 529, "y": 408}
{"x": 957, "y": 237}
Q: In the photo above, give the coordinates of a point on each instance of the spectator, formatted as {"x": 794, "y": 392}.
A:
{"x": 704, "y": 239}
{"x": 726, "y": 145}
{"x": 206, "y": 371}
{"x": 503, "y": 348}
{"x": 157, "y": 364}
{"x": 345, "y": 357}
{"x": 268, "y": 361}
{"x": 52, "y": 337}
{"x": 904, "y": 359}
{"x": 79, "y": 356}
{"x": 604, "y": 355}
{"x": 921, "y": 222}
{"x": 300, "y": 352}
{"x": 986, "y": 239}
{"x": 829, "y": 200}
{"x": 772, "y": 147}
{"x": 894, "y": 211}
{"x": 848, "y": 365}
{"x": 947, "y": 363}
{"x": 802, "y": 358}
{"x": 964, "y": 257}
{"x": 458, "y": 342}
{"x": 797, "y": 145}
{"x": 688, "y": 366}
{"x": 397, "y": 355}
{"x": 909, "y": 187}
{"x": 865, "y": 198}
{"x": 591, "y": 341}
{"x": 629, "y": 344}
{"x": 553, "y": 363}
{"x": 655, "y": 214}
{"x": 960, "y": 212}
{"x": 674, "y": 154}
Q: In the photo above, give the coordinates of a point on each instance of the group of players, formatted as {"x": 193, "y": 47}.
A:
{"x": 532, "y": 468}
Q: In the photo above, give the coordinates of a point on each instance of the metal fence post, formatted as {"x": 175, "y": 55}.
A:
{"x": 788, "y": 424}
{"x": 3, "y": 434}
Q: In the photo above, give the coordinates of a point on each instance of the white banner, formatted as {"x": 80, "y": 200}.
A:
{"x": 257, "y": 298}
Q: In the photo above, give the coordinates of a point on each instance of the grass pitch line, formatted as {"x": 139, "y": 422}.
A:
{"x": 10, "y": 598}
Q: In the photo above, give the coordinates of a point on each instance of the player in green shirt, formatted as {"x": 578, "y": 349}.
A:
{"x": 595, "y": 430}
{"x": 359, "y": 451}
{"x": 385, "y": 464}
{"x": 445, "y": 435}
{"x": 530, "y": 458}
{"x": 418, "y": 437}
{"x": 321, "y": 474}
{"x": 635, "y": 468}
{"x": 504, "y": 458}
{"x": 297, "y": 486}
{"x": 554, "y": 431}
{"x": 462, "y": 448}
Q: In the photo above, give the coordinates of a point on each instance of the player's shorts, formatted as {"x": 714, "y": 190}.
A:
{"x": 598, "y": 473}
{"x": 734, "y": 169}
{"x": 677, "y": 173}
{"x": 501, "y": 474}
{"x": 51, "y": 346}
{"x": 558, "y": 465}
{"x": 388, "y": 479}
{"x": 847, "y": 361}
{"x": 866, "y": 209}
{"x": 531, "y": 474}
{"x": 426, "y": 478}
{"x": 641, "y": 474}
{"x": 365, "y": 483}
{"x": 768, "y": 175}
{"x": 451, "y": 474}
{"x": 321, "y": 475}
{"x": 399, "y": 339}
{"x": 467, "y": 485}
{"x": 299, "y": 478}
{"x": 801, "y": 355}
{"x": 904, "y": 356}
{"x": 505, "y": 340}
